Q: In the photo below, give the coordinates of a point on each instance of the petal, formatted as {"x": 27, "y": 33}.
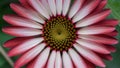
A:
{"x": 25, "y": 3}
{"x": 110, "y": 48}
{"x": 58, "y": 60}
{"x": 21, "y": 32}
{"x": 95, "y": 30}
{"x": 14, "y": 42}
{"x": 89, "y": 55}
{"x": 46, "y": 5}
{"x": 42, "y": 59}
{"x": 23, "y": 47}
{"x": 27, "y": 13}
{"x": 106, "y": 56}
{"x": 99, "y": 39}
{"x": 32, "y": 63}
{"x": 59, "y": 4}
{"x": 52, "y": 6}
{"x": 30, "y": 55}
{"x": 108, "y": 22}
{"x": 93, "y": 46}
{"x": 77, "y": 59}
{"x": 51, "y": 61}
{"x": 19, "y": 21}
{"x": 67, "y": 63}
{"x": 75, "y": 7}
{"x": 36, "y": 4}
{"x": 100, "y": 7}
{"x": 66, "y": 5}
{"x": 93, "y": 19}
{"x": 84, "y": 11}
{"x": 113, "y": 33}
{"x": 89, "y": 64}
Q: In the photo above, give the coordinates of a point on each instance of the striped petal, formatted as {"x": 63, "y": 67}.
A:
{"x": 21, "y": 32}
{"x": 99, "y": 39}
{"x": 52, "y": 5}
{"x": 23, "y": 47}
{"x": 46, "y": 5}
{"x": 108, "y": 22}
{"x": 113, "y": 33}
{"x": 51, "y": 61}
{"x": 66, "y": 5}
{"x": 100, "y": 6}
{"x": 58, "y": 60}
{"x": 93, "y": 46}
{"x": 30, "y": 55}
{"x": 75, "y": 7}
{"x": 87, "y": 9}
{"x": 93, "y": 19}
{"x": 59, "y": 4}
{"x": 27, "y": 13}
{"x": 15, "y": 41}
{"x": 25, "y": 3}
{"x": 77, "y": 59}
{"x": 110, "y": 48}
{"x": 42, "y": 59}
{"x": 89, "y": 64}
{"x": 31, "y": 64}
{"x": 95, "y": 30}
{"x": 67, "y": 63}
{"x": 89, "y": 55}
{"x": 19, "y": 21}
{"x": 106, "y": 56}
{"x": 39, "y": 7}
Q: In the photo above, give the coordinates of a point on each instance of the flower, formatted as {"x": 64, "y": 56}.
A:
{"x": 61, "y": 34}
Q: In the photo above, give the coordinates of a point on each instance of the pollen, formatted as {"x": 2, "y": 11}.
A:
{"x": 59, "y": 33}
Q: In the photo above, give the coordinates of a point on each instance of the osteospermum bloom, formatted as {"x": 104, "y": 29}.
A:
{"x": 61, "y": 33}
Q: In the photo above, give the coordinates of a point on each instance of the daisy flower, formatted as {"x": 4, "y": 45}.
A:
{"x": 60, "y": 33}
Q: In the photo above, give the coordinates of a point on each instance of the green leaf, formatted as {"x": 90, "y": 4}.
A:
{"x": 2, "y": 60}
{"x": 114, "y": 5}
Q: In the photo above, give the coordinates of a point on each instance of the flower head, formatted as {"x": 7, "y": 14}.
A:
{"x": 60, "y": 34}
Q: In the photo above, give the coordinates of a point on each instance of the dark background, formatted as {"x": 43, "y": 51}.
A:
{"x": 114, "y": 5}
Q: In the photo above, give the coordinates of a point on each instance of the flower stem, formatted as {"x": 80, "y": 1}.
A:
{"x": 5, "y": 56}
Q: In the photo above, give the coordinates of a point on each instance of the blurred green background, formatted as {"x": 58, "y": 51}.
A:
{"x": 114, "y": 5}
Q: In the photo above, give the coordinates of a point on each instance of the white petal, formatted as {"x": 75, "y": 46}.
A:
{"x": 77, "y": 59}
{"x": 21, "y": 32}
{"x": 89, "y": 55}
{"x": 75, "y": 7}
{"x": 25, "y": 46}
{"x": 46, "y": 5}
{"x": 27, "y": 13}
{"x": 67, "y": 63}
{"x": 100, "y": 7}
{"x": 51, "y": 61}
{"x": 52, "y": 6}
{"x": 84, "y": 11}
{"x": 59, "y": 4}
{"x": 58, "y": 60}
{"x": 93, "y": 19}
{"x": 66, "y": 5}
{"x": 30, "y": 55}
{"x": 95, "y": 30}
{"x": 42, "y": 59}
{"x": 97, "y": 47}
{"x": 19, "y": 21}
{"x": 99, "y": 39}
{"x": 39, "y": 7}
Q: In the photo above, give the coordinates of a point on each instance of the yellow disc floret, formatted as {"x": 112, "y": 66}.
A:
{"x": 59, "y": 33}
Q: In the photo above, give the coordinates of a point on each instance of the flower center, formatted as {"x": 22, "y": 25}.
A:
{"x": 59, "y": 33}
